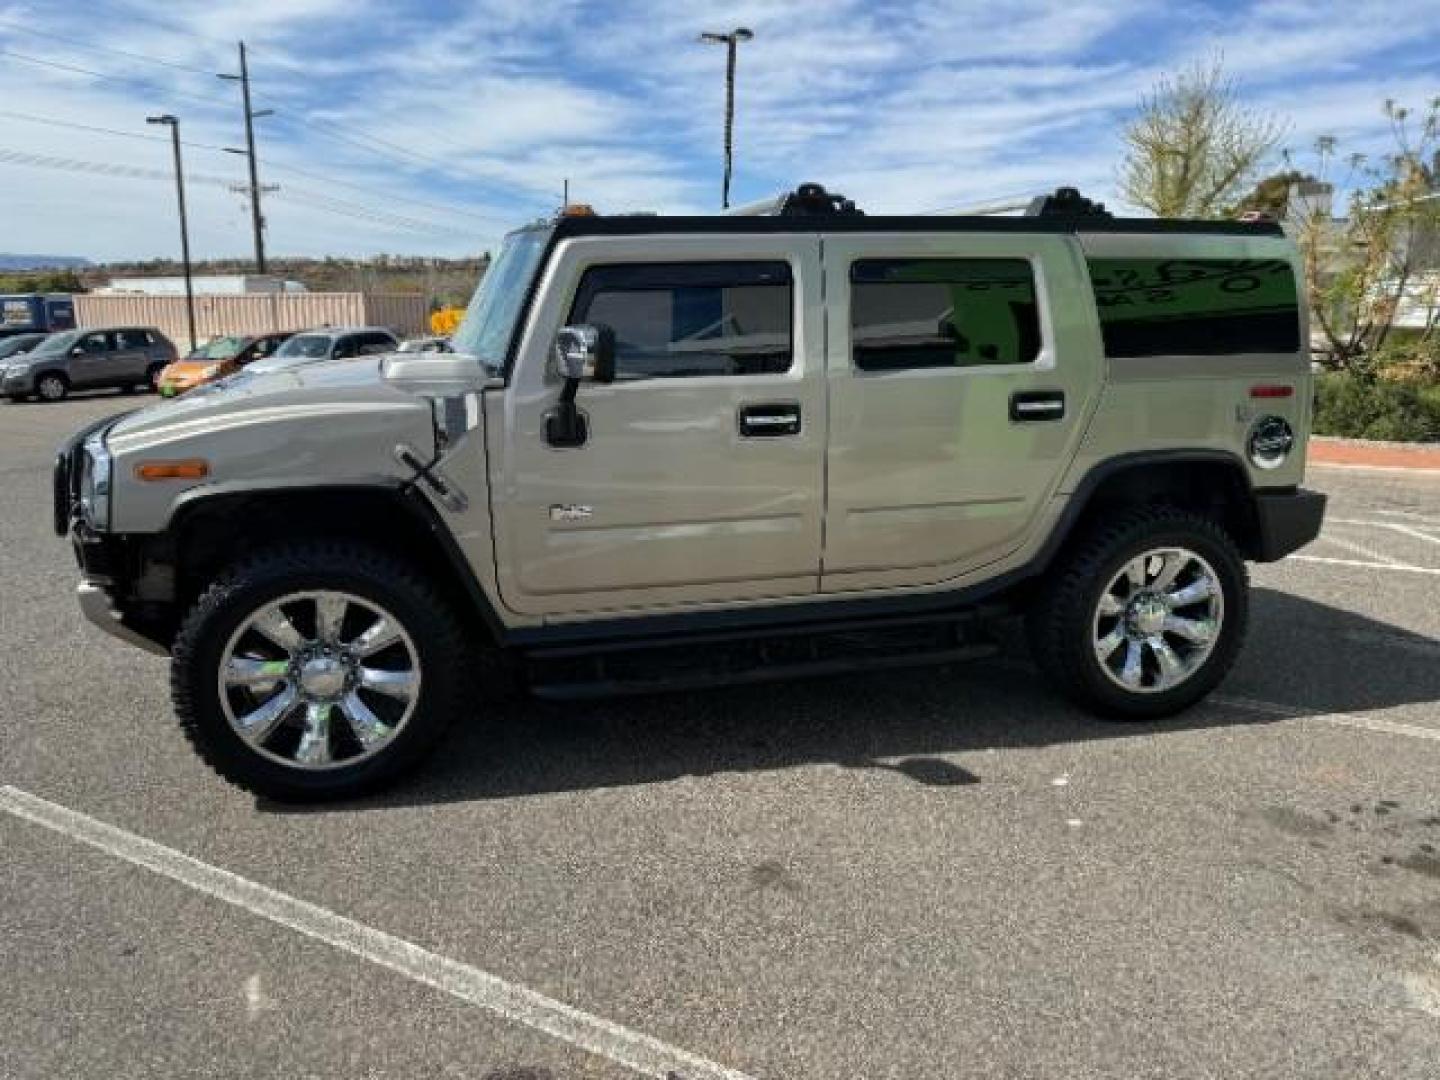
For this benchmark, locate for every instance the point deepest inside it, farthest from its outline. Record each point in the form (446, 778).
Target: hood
(321, 390)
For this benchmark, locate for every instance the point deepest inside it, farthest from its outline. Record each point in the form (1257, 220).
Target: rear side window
(1196, 307)
(679, 320)
(133, 339)
(942, 313)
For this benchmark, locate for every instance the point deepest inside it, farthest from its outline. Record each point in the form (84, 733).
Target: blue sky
(425, 127)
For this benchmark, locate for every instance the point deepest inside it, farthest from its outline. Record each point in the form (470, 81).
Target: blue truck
(30, 313)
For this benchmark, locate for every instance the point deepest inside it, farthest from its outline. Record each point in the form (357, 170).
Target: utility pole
(257, 219)
(174, 125)
(730, 41)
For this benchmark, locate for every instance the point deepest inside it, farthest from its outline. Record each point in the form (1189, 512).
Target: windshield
(12, 345)
(312, 346)
(56, 343)
(490, 319)
(222, 348)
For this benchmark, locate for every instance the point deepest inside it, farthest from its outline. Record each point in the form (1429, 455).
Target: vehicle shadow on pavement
(1322, 659)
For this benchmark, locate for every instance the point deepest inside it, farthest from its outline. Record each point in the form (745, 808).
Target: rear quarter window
(1196, 307)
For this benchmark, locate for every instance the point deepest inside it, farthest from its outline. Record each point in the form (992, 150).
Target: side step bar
(692, 662)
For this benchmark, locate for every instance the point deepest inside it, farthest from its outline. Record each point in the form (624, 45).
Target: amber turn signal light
(188, 469)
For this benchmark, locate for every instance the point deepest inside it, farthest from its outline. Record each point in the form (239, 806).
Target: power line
(369, 143)
(137, 80)
(12, 28)
(317, 200)
(269, 164)
(51, 122)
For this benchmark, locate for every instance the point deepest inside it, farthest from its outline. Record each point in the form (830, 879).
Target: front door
(701, 479)
(91, 359)
(961, 369)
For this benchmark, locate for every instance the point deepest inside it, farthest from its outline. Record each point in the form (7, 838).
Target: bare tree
(1193, 149)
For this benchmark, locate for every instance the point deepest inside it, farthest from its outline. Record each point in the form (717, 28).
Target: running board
(728, 659)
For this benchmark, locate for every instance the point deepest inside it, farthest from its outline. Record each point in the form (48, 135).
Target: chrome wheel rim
(319, 680)
(1158, 620)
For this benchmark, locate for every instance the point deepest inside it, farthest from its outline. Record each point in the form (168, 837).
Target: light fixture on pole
(730, 41)
(173, 124)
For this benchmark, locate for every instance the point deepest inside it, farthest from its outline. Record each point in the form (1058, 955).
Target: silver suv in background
(330, 343)
(128, 357)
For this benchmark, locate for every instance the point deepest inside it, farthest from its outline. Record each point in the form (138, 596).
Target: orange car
(215, 359)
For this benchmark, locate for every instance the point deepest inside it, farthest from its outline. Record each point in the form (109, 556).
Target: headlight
(95, 483)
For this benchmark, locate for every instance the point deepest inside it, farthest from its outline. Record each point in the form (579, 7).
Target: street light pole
(730, 41)
(173, 124)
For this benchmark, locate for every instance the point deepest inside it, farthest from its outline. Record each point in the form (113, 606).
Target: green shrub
(1361, 408)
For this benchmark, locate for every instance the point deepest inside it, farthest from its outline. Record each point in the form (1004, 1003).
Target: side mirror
(585, 352)
(581, 352)
(78, 350)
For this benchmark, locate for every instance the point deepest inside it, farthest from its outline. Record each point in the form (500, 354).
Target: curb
(1365, 453)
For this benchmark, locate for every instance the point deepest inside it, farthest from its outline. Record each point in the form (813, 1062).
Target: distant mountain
(43, 262)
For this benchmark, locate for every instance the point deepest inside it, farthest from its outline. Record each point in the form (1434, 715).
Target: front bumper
(1288, 520)
(95, 605)
(22, 382)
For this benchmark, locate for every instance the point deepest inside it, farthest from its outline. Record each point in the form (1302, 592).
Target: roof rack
(1066, 202)
(807, 200)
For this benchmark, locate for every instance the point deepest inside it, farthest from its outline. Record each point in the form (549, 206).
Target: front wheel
(51, 387)
(317, 672)
(1144, 616)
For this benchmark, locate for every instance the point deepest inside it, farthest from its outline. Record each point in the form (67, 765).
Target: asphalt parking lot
(941, 874)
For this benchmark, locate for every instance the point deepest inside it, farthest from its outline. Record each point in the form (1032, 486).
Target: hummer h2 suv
(671, 452)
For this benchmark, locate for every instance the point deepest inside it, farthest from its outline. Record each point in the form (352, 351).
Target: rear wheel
(317, 672)
(152, 377)
(51, 387)
(1144, 616)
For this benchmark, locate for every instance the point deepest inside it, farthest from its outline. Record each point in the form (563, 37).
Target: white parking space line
(632, 1049)
(1358, 549)
(1290, 712)
(1393, 526)
(1371, 565)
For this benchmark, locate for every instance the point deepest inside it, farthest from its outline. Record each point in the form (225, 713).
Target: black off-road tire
(1060, 620)
(352, 568)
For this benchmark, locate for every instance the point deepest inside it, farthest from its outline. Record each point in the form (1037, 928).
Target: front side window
(1196, 307)
(95, 344)
(942, 313)
(681, 320)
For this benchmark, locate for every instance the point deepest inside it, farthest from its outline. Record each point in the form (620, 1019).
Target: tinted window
(95, 343)
(375, 343)
(674, 320)
(928, 313)
(133, 339)
(1196, 307)
(311, 346)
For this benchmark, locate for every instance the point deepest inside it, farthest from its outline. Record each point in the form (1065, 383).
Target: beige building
(406, 314)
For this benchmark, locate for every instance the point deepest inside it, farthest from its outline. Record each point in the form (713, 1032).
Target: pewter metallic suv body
(803, 423)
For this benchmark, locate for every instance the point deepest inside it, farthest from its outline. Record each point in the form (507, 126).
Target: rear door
(701, 479)
(131, 356)
(961, 369)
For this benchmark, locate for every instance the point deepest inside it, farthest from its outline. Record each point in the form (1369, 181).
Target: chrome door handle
(771, 420)
(1029, 406)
